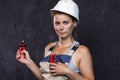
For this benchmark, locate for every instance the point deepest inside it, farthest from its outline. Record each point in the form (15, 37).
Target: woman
(72, 59)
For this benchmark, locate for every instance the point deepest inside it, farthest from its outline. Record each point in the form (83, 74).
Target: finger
(53, 64)
(25, 53)
(18, 57)
(17, 54)
(59, 63)
(52, 67)
(54, 74)
(52, 71)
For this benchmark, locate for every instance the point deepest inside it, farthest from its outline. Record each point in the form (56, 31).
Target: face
(63, 25)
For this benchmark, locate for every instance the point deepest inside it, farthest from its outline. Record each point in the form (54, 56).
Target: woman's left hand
(58, 68)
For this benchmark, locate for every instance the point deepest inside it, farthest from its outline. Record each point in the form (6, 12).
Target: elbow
(90, 79)
(42, 78)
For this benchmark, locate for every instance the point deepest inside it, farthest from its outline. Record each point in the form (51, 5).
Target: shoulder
(83, 52)
(48, 46)
(83, 48)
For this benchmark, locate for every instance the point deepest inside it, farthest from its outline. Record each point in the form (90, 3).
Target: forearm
(35, 69)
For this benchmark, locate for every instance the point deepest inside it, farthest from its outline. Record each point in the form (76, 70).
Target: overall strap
(51, 48)
(75, 47)
(60, 57)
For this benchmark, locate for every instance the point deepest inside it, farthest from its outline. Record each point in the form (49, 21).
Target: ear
(75, 24)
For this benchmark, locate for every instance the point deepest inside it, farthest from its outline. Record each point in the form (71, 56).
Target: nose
(61, 26)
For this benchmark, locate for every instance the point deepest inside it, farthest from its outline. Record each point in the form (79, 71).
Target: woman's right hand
(23, 56)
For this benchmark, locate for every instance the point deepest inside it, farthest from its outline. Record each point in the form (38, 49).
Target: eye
(65, 22)
(57, 23)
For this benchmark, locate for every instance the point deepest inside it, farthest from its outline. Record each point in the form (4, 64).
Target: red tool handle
(21, 48)
(52, 58)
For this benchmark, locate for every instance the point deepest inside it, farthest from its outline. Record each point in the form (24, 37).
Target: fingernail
(19, 57)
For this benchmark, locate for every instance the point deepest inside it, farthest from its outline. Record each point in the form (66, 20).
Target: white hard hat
(67, 6)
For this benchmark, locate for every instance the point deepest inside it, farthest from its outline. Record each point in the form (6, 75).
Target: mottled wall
(99, 29)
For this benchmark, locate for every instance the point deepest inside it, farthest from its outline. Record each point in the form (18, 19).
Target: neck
(65, 42)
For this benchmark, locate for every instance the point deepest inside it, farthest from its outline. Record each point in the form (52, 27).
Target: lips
(61, 33)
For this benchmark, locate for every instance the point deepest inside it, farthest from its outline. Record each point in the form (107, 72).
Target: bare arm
(29, 63)
(35, 69)
(85, 65)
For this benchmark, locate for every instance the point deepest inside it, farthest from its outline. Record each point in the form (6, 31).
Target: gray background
(29, 20)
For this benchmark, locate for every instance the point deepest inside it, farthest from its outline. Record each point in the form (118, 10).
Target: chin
(63, 36)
